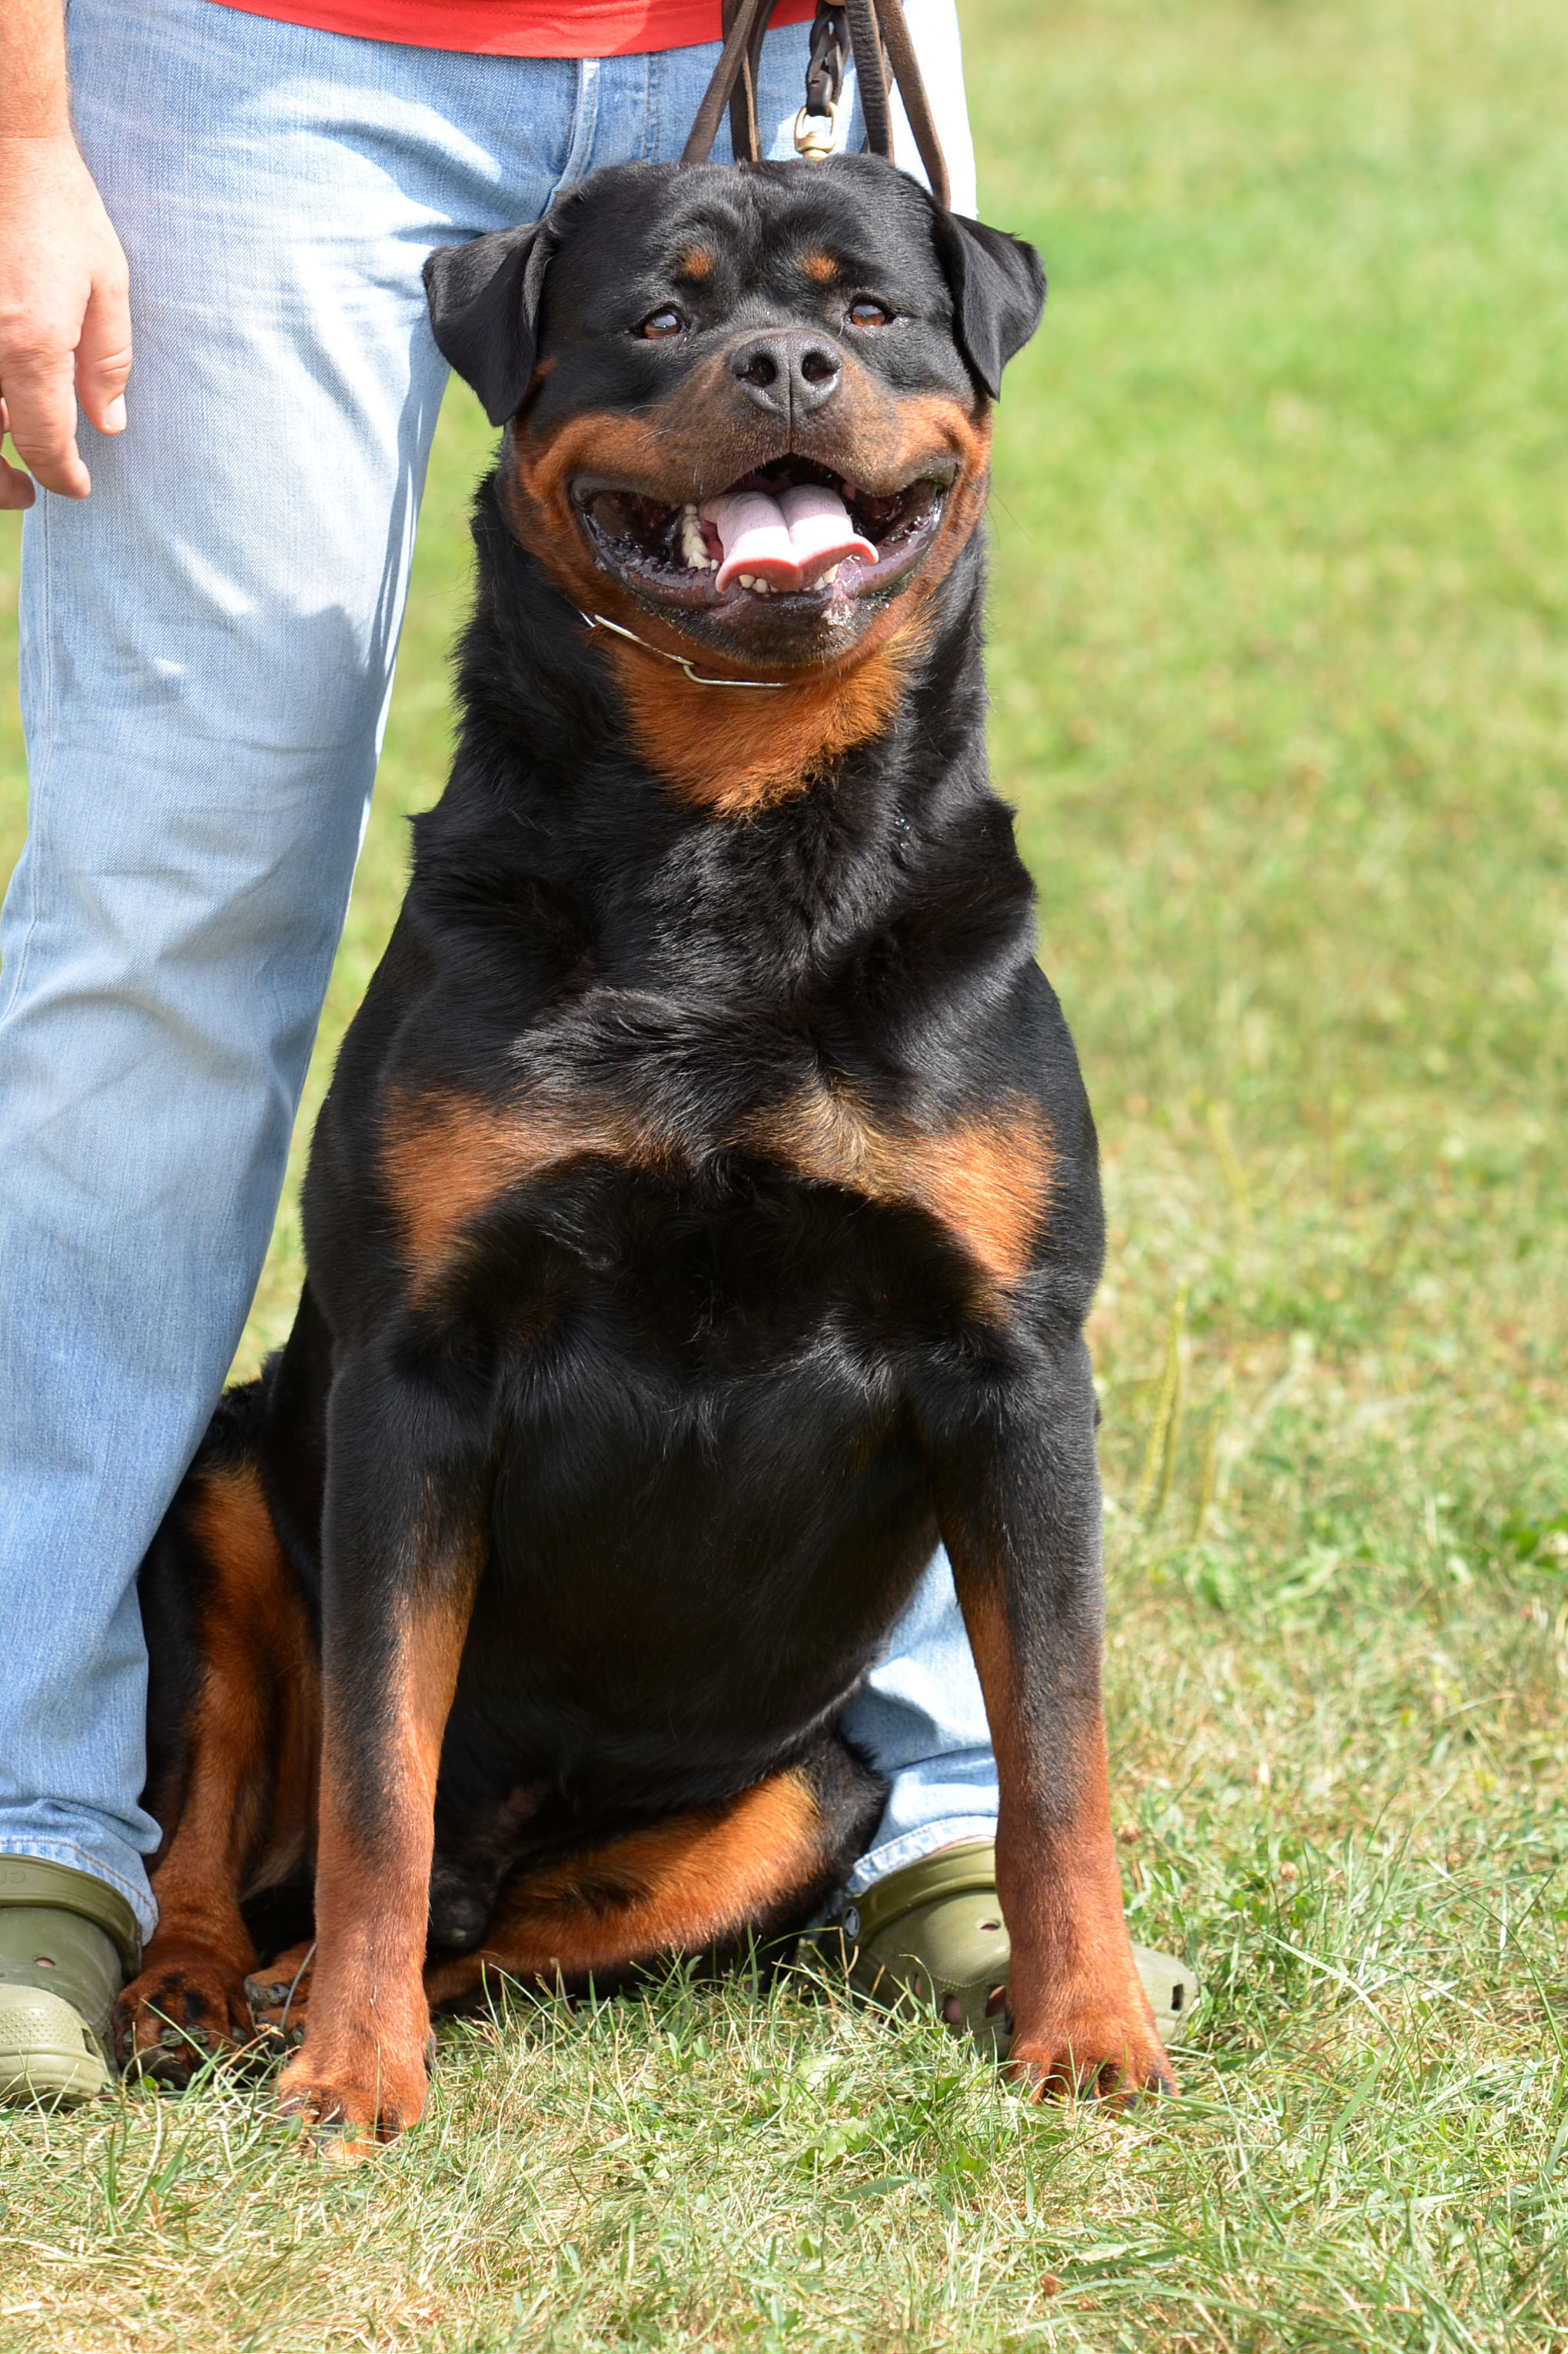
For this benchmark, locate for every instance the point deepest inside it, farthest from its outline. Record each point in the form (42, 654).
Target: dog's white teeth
(828, 578)
(694, 547)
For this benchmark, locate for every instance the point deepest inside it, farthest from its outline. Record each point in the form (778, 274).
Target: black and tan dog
(704, 1212)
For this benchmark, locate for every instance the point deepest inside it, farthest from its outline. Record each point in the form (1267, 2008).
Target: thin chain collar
(602, 622)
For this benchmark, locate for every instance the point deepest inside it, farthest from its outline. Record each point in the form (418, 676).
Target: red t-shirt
(519, 29)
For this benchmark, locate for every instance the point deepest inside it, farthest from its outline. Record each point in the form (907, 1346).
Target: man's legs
(208, 648)
(207, 652)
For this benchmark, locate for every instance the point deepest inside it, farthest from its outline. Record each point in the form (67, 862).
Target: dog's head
(747, 405)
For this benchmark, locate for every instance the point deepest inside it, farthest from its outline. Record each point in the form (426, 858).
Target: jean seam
(29, 923)
(44, 731)
(584, 128)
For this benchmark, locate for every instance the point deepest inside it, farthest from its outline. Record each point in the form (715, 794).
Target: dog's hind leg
(702, 1883)
(279, 1993)
(232, 1740)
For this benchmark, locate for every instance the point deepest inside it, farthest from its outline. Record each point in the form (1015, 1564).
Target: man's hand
(65, 321)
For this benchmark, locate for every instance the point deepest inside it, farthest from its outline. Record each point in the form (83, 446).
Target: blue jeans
(207, 646)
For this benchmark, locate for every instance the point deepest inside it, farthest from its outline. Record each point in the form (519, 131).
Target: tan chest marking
(986, 1177)
(447, 1158)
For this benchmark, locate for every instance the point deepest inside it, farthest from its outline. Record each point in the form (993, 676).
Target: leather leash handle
(912, 91)
(870, 22)
(865, 39)
(745, 132)
(741, 20)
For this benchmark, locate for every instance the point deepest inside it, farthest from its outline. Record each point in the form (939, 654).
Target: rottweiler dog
(702, 1220)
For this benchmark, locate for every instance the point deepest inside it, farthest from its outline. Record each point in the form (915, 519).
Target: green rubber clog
(67, 1943)
(931, 1938)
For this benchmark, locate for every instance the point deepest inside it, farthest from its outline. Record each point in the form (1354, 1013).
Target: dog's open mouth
(791, 529)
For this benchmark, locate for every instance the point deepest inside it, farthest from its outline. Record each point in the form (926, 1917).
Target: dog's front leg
(403, 1541)
(1018, 1499)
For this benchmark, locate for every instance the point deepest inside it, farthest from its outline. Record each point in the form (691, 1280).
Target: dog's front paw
(1096, 2042)
(351, 2092)
(186, 2009)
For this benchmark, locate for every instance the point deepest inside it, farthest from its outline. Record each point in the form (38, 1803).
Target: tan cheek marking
(883, 438)
(669, 451)
(696, 443)
(673, 1889)
(934, 421)
(987, 1179)
(671, 454)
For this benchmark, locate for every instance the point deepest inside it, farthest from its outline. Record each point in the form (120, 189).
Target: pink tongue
(790, 541)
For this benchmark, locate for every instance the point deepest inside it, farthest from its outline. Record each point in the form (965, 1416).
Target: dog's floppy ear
(484, 306)
(999, 292)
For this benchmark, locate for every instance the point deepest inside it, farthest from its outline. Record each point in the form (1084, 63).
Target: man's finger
(103, 355)
(15, 488)
(40, 396)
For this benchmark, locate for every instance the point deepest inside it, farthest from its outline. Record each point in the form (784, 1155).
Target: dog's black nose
(788, 372)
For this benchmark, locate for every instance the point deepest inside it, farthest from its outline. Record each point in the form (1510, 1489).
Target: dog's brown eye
(868, 314)
(660, 324)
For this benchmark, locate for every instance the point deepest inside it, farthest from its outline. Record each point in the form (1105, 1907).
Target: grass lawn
(1281, 696)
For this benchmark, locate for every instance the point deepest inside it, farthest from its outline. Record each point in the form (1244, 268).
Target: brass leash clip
(817, 123)
(815, 134)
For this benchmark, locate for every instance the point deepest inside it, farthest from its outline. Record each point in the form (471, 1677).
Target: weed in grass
(1280, 678)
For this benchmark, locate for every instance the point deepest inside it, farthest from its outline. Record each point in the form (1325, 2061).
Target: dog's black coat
(703, 1408)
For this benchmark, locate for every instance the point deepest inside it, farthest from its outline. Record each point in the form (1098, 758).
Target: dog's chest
(692, 1131)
